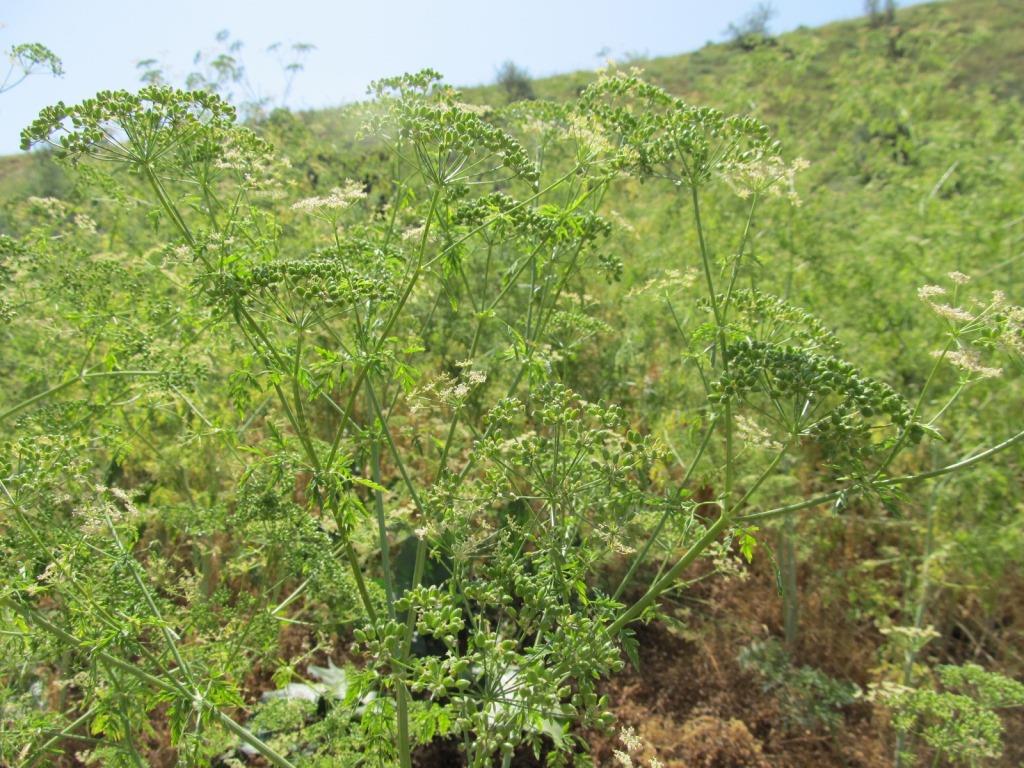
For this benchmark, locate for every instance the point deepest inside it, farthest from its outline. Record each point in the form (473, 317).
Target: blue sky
(101, 41)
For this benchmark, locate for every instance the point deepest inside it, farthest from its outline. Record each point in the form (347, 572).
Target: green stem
(739, 259)
(392, 319)
(665, 582)
(705, 258)
(165, 630)
(919, 610)
(167, 205)
(417, 577)
(902, 439)
(664, 517)
(402, 713)
(16, 409)
(65, 732)
(382, 529)
(357, 574)
(788, 568)
(891, 481)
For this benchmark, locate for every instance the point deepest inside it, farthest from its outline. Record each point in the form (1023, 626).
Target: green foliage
(808, 697)
(655, 133)
(959, 719)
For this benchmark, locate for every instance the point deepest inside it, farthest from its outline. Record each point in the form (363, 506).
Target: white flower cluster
(622, 223)
(766, 175)
(85, 223)
(930, 294)
(473, 109)
(589, 135)
(1012, 333)
(450, 391)
(49, 206)
(670, 278)
(633, 744)
(996, 318)
(886, 691)
(753, 434)
(914, 638)
(959, 278)
(969, 360)
(414, 233)
(337, 199)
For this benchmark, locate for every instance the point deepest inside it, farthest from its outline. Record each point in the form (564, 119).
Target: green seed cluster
(506, 217)
(382, 643)
(151, 121)
(326, 276)
(785, 372)
(657, 132)
(29, 56)
(436, 611)
(531, 115)
(766, 316)
(961, 719)
(324, 280)
(407, 84)
(10, 249)
(453, 134)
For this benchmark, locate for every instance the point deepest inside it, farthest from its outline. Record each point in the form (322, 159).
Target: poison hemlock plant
(392, 424)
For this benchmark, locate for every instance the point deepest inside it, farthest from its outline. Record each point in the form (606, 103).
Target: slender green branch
(817, 501)
(382, 339)
(902, 439)
(636, 610)
(738, 260)
(80, 379)
(382, 528)
(169, 685)
(705, 259)
(65, 732)
(642, 555)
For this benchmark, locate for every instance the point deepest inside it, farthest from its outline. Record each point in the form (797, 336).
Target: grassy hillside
(909, 128)
(597, 422)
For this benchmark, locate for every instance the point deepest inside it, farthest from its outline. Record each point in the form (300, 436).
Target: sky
(102, 41)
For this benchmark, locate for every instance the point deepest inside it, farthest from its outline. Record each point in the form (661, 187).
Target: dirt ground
(693, 705)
